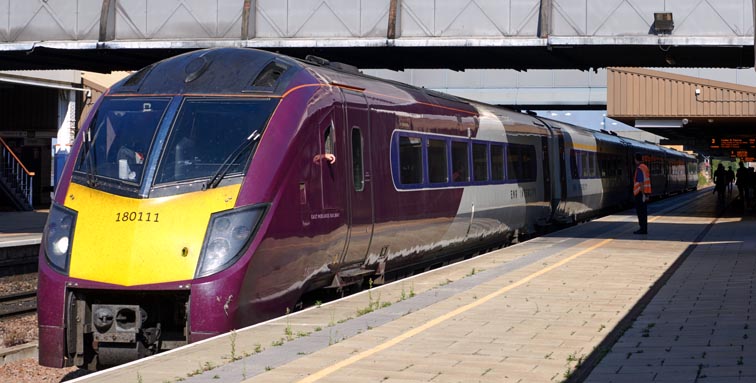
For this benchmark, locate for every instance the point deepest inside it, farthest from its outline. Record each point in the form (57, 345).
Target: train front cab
(148, 231)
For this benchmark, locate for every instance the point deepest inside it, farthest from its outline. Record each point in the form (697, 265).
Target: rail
(18, 303)
(15, 174)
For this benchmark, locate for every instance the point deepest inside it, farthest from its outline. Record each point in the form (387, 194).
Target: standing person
(730, 179)
(741, 182)
(720, 179)
(641, 192)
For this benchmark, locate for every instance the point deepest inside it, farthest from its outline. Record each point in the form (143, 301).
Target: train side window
(410, 160)
(357, 164)
(529, 169)
(460, 162)
(328, 140)
(585, 170)
(438, 164)
(497, 162)
(514, 168)
(480, 162)
(574, 164)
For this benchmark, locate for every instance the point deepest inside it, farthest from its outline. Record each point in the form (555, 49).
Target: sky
(591, 119)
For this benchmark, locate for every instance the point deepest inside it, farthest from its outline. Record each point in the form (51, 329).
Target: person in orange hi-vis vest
(641, 193)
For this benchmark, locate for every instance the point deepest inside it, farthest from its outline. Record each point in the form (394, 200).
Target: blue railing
(15, 174)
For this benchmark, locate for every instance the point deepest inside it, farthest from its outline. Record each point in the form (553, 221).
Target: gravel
(28, 371)
(23, 329)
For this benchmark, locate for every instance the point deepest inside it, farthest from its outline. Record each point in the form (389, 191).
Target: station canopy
(713, 118)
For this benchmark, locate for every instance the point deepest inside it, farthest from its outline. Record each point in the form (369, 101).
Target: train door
(562, 168)
(360, 187)
(546, 168)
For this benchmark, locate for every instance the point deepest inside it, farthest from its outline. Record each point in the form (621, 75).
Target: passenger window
(586, 165)
(497, 162)
(528, 164)
(460, 162)
(357, 164)
(437, 162)
(574, 164)
(513, 163)
(410, 160)
(480, 162)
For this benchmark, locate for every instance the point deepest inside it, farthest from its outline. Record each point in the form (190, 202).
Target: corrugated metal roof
(644, 93)
(102, 81)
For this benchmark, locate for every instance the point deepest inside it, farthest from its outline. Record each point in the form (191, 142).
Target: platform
(545, 310)
(22, 228)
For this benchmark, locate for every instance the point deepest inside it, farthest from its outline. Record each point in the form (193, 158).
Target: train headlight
(57, 237)
(228, 235)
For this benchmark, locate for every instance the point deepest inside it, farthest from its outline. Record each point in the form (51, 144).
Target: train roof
(213, 71)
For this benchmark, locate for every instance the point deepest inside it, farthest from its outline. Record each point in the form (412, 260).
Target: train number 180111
(137, 216)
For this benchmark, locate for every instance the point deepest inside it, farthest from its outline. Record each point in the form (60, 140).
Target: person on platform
(730, 180)
(741, 182)
(720, 183)
(641, 193)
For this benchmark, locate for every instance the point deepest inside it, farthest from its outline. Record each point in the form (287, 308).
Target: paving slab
(531, 312)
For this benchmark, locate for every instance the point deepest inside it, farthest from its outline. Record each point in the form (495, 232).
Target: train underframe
(106, 328)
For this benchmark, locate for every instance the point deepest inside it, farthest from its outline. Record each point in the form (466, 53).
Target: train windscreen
(119, 139)
(211, 134)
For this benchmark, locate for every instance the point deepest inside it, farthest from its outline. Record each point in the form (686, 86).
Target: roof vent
(317, 60)
(137, 77)
(196, 68)
(332, 64)
(268, 77)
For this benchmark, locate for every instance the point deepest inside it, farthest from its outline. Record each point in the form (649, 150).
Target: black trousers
(642, 211)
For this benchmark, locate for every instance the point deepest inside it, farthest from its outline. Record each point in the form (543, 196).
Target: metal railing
(15, 173)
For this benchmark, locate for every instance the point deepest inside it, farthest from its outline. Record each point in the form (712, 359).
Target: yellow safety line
(417, 330)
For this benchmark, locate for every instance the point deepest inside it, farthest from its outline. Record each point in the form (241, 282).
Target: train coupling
(119, 333)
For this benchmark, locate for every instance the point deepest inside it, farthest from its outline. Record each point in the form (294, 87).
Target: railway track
(18, 303)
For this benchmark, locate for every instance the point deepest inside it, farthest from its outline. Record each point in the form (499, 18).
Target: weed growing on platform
(258, 348)
(333, 319)
(233, 346)
(471, 273)
(603, 326)
(412, 290)
(372, 306)
(289, 333)
(139, 377)
(277, 343)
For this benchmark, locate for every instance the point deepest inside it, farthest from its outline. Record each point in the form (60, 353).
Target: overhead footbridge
(104, 35)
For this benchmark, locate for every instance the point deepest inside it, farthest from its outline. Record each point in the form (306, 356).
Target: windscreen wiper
(227, 163)
(91, 161)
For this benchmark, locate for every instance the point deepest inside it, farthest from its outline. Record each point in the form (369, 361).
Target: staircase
(15, 179)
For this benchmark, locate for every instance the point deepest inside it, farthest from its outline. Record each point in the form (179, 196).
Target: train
(214, 189)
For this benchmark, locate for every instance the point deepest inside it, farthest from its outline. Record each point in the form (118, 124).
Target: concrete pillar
(66, 130)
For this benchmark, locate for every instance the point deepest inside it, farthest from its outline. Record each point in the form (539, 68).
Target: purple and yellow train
(210, 191)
